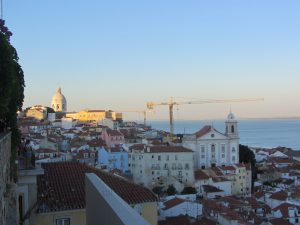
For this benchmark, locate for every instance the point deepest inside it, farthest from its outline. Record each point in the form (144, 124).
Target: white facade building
(178, 206)
(59, 102)
(161, 166)
(213, 148)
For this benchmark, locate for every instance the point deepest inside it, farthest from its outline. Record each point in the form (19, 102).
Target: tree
(247, 156)
(171, 190)
(188, 190)
(157, 190)
(11, 88)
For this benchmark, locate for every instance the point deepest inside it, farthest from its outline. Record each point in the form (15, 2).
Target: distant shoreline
(217, 119)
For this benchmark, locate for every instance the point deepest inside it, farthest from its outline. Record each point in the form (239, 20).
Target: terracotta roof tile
(205, 130)
(111, 132)
(156, 149)
(173, 202)
(204, 221)
(176, 220)
(201, 175)
(280, 195)
(279, 221)
(284, 209)
(62, 187)
(211, 189)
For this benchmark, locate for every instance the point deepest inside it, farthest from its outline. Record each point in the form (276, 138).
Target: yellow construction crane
(143, 112)
(171, 103)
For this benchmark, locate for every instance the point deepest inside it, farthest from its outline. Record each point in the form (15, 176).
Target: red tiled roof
(111, 132)
(219, 179)
(280, 195)
(205, 130)
(211, 189)
(175, 220)
(240, 165)
(173, 202)
(217, 171)
(227, 168)
(279, 221)
(281, 160)
(115, 149)
(62, 187)
(157, 149)
(137, 147)
(284, 209)
(96, 143)
(259, 194)
(204, 221)
(201, 175)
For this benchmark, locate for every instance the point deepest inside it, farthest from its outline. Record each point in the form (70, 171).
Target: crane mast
(171, 103)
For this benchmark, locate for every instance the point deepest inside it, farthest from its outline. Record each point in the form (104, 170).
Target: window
(187, 167)
(63, 221)
(167, 157)
(202, 148)
(176, 157)
(173, 166)
(232, 129)
(152, 156)
(212, 135)
(159, 158)
(223, 155)
(202, 156)
(233, 149)
(223, 148)
(233, 158)
(213, 148)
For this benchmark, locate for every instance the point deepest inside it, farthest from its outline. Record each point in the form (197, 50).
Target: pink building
(112, 137)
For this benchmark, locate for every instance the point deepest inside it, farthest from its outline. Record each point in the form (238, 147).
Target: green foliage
(247, 156)
(157, 190)
(11, 88)
(188, 190)
(171, 190)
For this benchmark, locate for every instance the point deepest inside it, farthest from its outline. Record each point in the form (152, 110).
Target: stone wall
(8, 189)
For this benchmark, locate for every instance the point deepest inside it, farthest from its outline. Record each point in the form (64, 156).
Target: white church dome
(231, 116)
(59, 102)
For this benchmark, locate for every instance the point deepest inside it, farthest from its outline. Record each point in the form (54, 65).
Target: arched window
(232, 129)
(213, 148)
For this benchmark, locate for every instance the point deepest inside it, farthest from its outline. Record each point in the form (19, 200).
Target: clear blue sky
(121, 54)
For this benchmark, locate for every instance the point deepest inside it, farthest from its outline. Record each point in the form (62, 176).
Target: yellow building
(94, 115)
(87, 115)
(38, 112)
